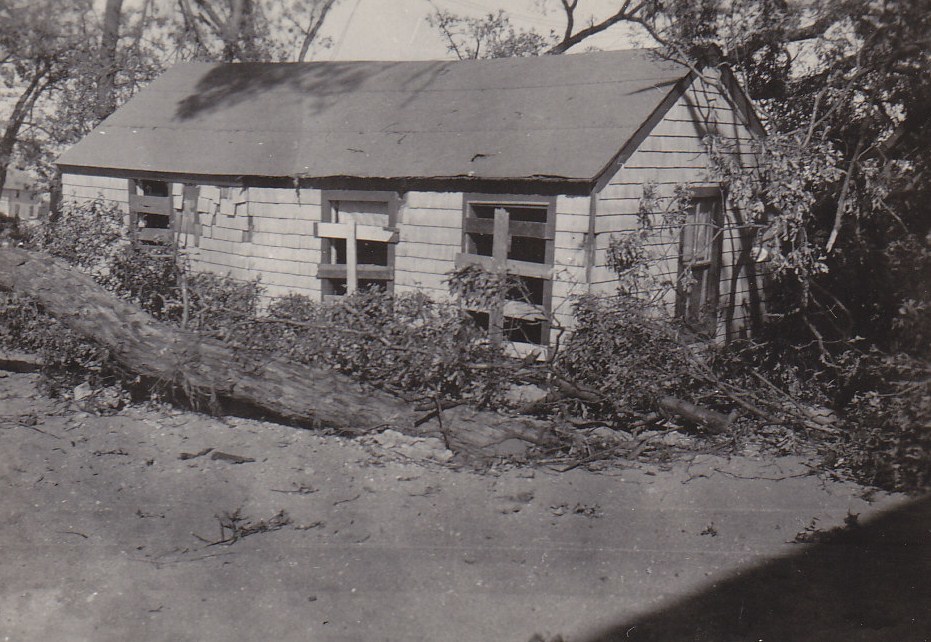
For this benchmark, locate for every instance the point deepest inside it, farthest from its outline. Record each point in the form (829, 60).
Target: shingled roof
(552, 117)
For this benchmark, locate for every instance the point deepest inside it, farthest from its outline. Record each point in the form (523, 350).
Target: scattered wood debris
(238, 528)
(200, 453)
(233, 459)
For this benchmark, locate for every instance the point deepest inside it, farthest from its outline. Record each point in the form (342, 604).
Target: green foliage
(631, 357)
(406, 344)
(889, 414)
(88, 236)
(491, 36)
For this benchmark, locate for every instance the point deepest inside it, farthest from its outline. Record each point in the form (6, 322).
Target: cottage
(328, 177)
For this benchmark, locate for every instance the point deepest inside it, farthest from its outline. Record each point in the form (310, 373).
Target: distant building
(20, 199)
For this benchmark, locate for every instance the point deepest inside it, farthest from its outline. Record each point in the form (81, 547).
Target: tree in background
(71, 66)
(491, 36)
(41, 41)
(494, 36)
(250, 30)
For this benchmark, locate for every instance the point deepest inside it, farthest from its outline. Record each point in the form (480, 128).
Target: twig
(201, 453)
(39, 430)
(635, 452)
(301, 490)
(762, 478)
(346, 501)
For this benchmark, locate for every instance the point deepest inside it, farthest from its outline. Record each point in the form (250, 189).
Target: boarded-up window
(151, 211)
(700, 264)
(513, 236)
(358, 240)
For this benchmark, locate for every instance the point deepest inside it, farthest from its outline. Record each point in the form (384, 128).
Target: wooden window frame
(157, 205)
(704, 319)
(503, 231)
(328, 230)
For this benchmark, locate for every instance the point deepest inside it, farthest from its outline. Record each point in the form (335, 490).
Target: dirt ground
(111, 530)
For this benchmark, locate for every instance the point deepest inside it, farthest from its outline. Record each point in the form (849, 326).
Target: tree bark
(711, 421)
(106, 98)
(203, 368)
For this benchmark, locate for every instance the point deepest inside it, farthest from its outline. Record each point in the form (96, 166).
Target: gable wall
(674, 154)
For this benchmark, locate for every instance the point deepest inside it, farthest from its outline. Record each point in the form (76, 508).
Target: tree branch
(842, 199)
(314, 28)
(624, 14)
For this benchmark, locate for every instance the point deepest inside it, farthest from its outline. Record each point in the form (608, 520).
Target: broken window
(358, 240)
(513, 236)
(700, 248)
(151, 212)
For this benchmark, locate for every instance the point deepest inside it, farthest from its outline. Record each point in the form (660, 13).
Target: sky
(398, 30)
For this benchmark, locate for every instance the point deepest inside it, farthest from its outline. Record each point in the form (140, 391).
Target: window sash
(700, 254)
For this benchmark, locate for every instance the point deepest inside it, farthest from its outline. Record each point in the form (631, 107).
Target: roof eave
(544, 185)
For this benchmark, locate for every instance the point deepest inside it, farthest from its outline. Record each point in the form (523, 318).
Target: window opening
(514, 238)
(151, 211)
(358, 241)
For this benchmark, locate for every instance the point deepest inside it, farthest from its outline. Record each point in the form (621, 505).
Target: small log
(19, 362)
(713, 422)
(203, 367)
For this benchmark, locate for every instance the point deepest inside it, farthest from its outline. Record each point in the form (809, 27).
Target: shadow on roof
(318, 84)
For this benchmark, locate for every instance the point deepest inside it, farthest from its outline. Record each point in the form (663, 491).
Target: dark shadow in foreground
(865, 582)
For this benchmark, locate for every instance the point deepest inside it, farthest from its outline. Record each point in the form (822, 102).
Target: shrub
(630, 357)
(888, 443)
(10, 232)
(405, 343)
(66, 357)
(148, 276)
(87, 236)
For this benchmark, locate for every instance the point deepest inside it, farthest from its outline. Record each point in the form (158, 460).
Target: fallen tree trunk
(202, 368)
(711, 421)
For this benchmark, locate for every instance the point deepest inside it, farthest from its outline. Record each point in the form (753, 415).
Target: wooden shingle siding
(673, 154)
(570, 256)
(271, 235)
(78, 188)
(429, 237)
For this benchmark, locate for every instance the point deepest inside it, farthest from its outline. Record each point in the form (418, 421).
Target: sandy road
(106, 534)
